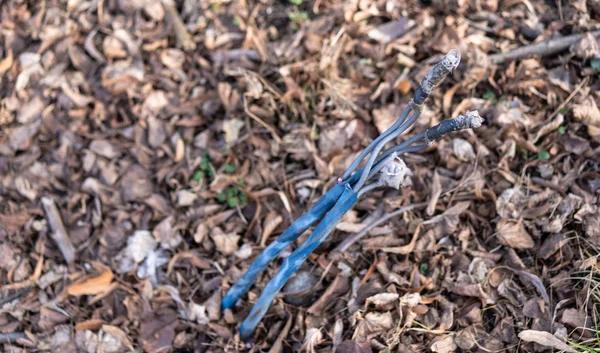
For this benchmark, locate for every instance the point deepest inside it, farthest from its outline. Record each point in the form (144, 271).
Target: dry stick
(563, 104)
(12, 337)
(343, 246)
(9, 298)
(184, 39)
(547, 47)
(59, 233)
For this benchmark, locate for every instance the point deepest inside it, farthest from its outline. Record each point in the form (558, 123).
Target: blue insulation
(296, 259)
(290, 235)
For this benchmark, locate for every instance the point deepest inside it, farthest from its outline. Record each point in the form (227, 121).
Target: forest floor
(149, 151)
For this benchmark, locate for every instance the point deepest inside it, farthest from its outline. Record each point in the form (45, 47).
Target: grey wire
(368, 188)
(372, 145)
(380, 145)
(401, 146)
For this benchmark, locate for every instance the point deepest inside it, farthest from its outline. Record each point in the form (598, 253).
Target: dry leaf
(226, 244)
(444, 345)
(512, 233)
(383, 300)
(92, 286)
(546, 339)
(463, 150)
(119, 335)
(313, 338)
(271, 222)
(232, 128)
(92, 324)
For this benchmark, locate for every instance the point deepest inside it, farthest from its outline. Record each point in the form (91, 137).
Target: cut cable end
(451, 60)
(437, 74)
(471, 120)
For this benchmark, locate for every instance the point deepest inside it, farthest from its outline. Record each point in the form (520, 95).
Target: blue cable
(325, 203)
(291, 264)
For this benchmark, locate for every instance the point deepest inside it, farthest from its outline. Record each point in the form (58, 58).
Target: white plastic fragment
(395, 173)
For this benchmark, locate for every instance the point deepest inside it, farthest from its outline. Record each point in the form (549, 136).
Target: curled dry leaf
(383, 301)
(313, 338)
(545, 339)
(271, 222)
(92, 286)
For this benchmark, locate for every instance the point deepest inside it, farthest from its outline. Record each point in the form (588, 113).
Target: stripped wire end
(436, 75)
(395, 173)
(471, 120)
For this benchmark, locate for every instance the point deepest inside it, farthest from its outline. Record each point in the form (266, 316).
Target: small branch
(9, 298)
(59, 233)
(12, 337)
(184, 39)
(343, 246)
(547, 47)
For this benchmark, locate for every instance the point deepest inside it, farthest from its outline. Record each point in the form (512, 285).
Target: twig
(262, 122)
(544, 48)
(12, 337)
(9, 298)
(343, 246)
(59, 233)
(184, 39)
(575, 91)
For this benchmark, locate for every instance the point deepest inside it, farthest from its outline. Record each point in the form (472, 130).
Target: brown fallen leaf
(118, 334)
(444, 345)
(91, 286)
(93, 324)
(271, 222)
(406, 249)
(512, 233)
(545, 339)
(436, 191)
(226, 243)
(157, 331)
(449, 219)
(338, 287)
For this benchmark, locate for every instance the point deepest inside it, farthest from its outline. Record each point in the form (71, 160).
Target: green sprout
(489, 95)
(543, 156)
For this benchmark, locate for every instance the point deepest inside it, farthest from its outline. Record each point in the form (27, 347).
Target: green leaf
(236, 22)
(221, 197)
(243, 199)
(562, 130)
(423, 268)
(543, 156)
(199, 175)
(296, 2)
(229, 168)
(241, 182)
(489, 95)
(595, 64)
(232, 202)
(564, 110)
